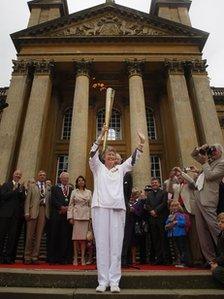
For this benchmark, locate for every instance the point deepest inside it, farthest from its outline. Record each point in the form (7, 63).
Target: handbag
(89, 235)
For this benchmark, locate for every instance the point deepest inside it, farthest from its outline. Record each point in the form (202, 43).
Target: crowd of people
(180, 222)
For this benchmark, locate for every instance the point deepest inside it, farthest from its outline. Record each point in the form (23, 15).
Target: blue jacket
(179, 229)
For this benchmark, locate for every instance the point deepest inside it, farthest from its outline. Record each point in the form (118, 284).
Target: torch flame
(101, 86)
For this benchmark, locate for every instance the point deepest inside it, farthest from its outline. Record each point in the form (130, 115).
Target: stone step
(35, 293)
(160, 279)
(49, 293)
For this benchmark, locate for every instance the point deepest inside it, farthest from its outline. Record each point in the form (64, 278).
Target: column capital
(83, 67)
(22, 67)
(174, 66)
(44, 67)
(135, 67)
(197, 66)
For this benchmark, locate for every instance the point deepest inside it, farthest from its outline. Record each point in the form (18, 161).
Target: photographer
(207, 196)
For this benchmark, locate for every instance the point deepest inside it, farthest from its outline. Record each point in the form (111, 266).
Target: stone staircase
(21, 247)
(49, 284)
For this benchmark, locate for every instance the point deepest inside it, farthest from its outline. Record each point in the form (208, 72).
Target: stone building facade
(153, 61)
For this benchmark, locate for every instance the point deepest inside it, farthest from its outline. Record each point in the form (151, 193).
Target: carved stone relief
(109, 25)
(135, 67)
(21, 67)
(174, 66)
(197, 66)
(44, 67)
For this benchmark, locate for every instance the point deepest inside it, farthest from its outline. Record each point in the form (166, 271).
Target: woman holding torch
(108, 210)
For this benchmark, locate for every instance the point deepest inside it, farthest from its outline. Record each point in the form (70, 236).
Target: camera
(209, 150)
(148, 188)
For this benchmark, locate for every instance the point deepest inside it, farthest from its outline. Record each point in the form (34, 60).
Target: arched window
(151, 124)
(156, 171)
(67, 124)
(114, 127)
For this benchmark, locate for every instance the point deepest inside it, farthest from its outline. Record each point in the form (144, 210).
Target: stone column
(142, 170)
(181, 112)
(207, 119)
(79, 131)
(32, 143)
(12, 117)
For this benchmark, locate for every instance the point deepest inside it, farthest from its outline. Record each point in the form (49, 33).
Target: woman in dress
(79, 216)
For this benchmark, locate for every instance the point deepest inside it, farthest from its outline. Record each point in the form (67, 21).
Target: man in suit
(11, 210)
(207, 196)
(61, 229)
(36, 212)
(156, 206)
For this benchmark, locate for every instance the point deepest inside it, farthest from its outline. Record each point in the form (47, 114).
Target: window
(114, 132)
(151, 124)
(156, 167)
(67, 124)
(62, 165)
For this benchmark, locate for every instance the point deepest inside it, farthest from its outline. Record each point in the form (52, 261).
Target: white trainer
(101, 289)
(115, 289)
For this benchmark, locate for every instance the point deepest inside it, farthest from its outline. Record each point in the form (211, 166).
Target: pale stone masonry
(79, 131)
(154, 63)
(184, 128)
(138, 121)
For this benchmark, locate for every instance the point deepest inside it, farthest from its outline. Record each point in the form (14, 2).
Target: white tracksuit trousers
(108, 226)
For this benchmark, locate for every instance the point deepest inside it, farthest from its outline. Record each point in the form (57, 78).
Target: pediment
(108, 20)
(109, 24)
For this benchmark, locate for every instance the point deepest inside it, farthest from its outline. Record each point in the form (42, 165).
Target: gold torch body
(110, 93)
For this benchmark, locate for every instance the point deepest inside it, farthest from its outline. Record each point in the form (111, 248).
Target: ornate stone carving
(197, 66)
(135, 67)
(83, 67)
(43, 67)
(174, 66)
(22, 67)
(109, 25)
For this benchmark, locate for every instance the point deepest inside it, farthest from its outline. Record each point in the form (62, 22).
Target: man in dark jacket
(156, 206)
(11, 211)
(61, 230)
(220, 207)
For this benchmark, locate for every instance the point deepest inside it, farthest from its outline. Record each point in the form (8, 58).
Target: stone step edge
(94, 272)
(58, 291)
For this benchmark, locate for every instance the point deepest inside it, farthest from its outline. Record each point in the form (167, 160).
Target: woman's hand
(103, 132)
(71, 221)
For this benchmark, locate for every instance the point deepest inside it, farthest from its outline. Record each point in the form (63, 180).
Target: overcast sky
(206, 15)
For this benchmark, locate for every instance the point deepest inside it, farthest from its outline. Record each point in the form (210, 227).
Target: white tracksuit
(108, 215)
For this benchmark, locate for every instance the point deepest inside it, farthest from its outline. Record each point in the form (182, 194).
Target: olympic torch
(109, 105)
